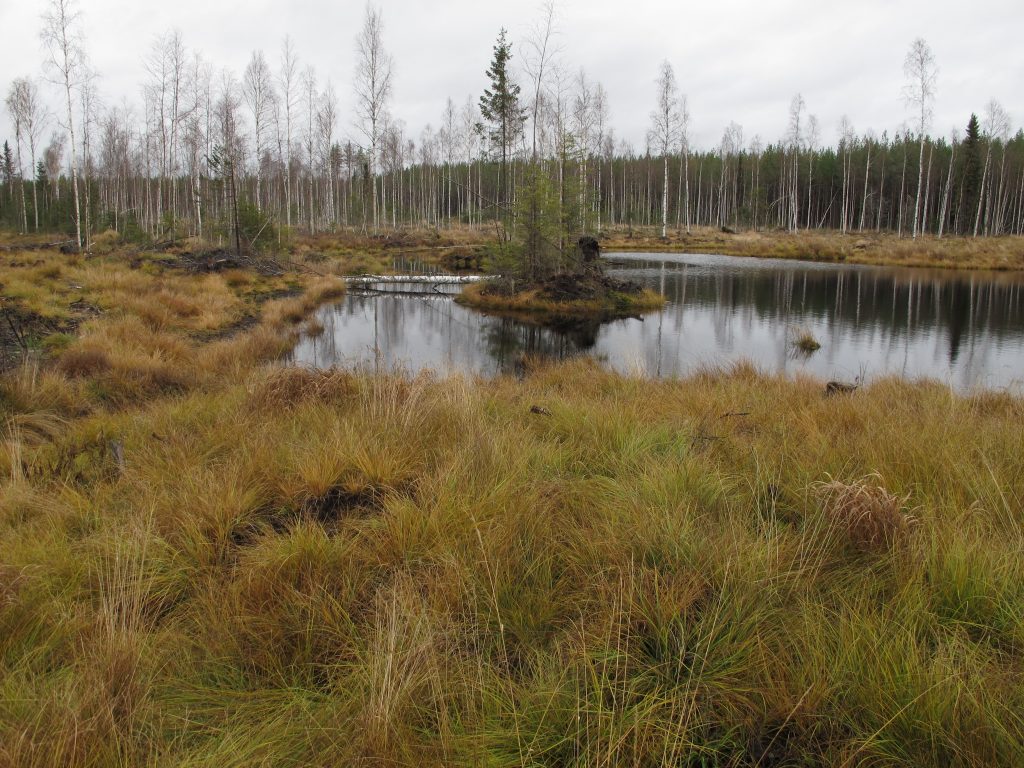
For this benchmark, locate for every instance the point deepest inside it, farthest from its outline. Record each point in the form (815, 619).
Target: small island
(580, 291)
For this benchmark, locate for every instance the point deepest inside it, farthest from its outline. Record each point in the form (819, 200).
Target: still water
(965, 329)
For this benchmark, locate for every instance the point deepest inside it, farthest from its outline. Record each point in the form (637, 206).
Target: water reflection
(963, 328)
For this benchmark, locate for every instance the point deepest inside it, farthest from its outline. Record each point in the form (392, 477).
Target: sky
(736, 60)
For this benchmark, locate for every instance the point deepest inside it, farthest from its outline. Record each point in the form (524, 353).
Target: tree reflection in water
(964, 328)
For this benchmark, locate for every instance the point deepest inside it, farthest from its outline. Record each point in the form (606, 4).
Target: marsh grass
(804, 341)
(865, 513)
(294, 567)
(999, 253)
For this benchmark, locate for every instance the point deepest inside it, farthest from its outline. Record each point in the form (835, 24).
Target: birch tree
(229, 148)
(540, 50)
(326, 119)
(812, 146)
(196, 133)
(869, 141)
(16, 105)
(846, 138)
(684, 148)
(165, 66)
(601, 117)
(666, 128)
(469, 116)
(257, 90)
(35, 118)
(177, 61)
(288, 82)
(919, 92)
(310, 93)
(795, 141)
(449, 139)
(63, 45)
(995, 129)
(583, 119)
(372, 89)
(90, 117)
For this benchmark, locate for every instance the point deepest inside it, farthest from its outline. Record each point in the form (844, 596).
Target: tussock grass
(331, 568)
(864, 513)
(264, 564)
(804, 340)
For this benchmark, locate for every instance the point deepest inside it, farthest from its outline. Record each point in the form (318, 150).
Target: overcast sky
(740, 60)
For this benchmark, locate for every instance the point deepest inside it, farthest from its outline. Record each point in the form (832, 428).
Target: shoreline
(1002, 254)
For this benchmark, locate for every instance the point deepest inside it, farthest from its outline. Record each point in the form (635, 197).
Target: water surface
(962, 328)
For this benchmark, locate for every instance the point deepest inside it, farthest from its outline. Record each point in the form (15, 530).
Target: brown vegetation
(999, 253)
(206, 559)
(562, 296)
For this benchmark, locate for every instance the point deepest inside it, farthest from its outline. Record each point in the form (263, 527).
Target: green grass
(263, 565)
(804, 340)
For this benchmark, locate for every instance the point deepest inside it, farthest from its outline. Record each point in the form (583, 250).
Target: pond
(962, 328)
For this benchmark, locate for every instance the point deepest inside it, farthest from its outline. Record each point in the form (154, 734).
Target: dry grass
(144, 329)
(865, 513)
(284, 387)
(266, 565)
(999, 253)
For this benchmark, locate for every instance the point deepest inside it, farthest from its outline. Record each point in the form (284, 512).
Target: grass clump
(866, 515)
(804, 341)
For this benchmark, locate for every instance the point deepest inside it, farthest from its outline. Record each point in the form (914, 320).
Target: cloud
(735, 59)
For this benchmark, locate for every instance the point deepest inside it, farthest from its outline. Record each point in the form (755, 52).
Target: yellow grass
(1000, 253)
(208, 558)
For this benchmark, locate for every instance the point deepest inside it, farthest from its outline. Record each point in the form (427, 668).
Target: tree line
(208, 153)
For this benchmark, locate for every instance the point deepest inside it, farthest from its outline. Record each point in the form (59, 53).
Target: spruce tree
(501, 110)
(7, 169)
(971, 154)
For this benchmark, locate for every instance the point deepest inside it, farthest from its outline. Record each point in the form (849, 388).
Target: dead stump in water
(589, 253)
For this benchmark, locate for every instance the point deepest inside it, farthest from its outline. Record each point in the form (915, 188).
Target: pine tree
(7, 177)
(500, 108)
(971, 154)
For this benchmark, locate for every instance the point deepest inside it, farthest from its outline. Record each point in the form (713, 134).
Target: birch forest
(205, 148)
